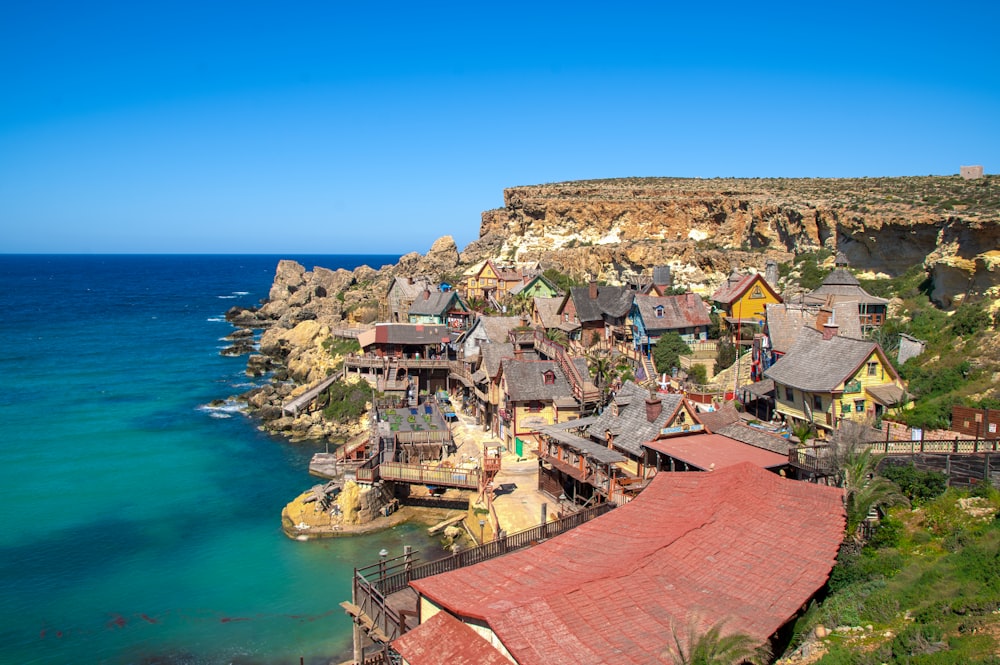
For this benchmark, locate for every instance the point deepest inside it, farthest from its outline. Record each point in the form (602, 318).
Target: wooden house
(840, 286)
(825, 378)
(634, 417)
(742, 301)
(401, 294)
(655, 316)
(596, 314)
(440, 308)
(535, 393)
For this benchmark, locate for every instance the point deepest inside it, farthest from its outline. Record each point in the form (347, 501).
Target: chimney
(518, 352)
(829, 330)
(593, 289)
(427, 294)
(409, 280)
(653, 408)
(823, 317)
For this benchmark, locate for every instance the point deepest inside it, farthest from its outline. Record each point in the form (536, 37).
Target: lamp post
(383, 553)
(482, 524)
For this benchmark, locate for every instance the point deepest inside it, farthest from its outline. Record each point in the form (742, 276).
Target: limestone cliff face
(884, 225)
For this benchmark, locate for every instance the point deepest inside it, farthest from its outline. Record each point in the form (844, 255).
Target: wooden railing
(419, 474)
(957, 445)
(369, 471)
(398, 579)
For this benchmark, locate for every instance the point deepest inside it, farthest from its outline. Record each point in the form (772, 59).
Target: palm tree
(557, 336)
(713, 648)
(864, 489)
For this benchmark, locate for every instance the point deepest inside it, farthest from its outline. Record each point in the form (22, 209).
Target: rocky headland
(613, 229)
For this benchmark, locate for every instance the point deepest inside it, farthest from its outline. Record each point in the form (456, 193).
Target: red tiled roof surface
(736, 286)
(444, 640)
(714, 451)
(739, 545)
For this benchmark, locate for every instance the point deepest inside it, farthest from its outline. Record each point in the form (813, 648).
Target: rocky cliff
(883, 225)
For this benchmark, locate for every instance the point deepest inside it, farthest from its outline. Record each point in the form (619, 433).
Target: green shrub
(919, 486)
(970, 319)
(667, 351)
(698, 374)
(346, 401)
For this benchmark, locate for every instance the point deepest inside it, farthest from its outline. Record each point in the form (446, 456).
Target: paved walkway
(517, 500)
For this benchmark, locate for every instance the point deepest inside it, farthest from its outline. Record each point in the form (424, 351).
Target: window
(757, 293)
(818, 402)
(845, 406)
(873, 368)
(549, 378)
(859, 406)
(789, 394)
(534, 407)
(659, 311)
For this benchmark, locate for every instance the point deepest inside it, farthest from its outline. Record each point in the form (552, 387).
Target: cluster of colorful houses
(681, 550)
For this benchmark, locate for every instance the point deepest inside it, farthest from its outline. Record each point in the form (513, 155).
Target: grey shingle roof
(813, 364)
(611, 301)
(492, 353)
(756, 437)
(434, 303)
(785, 322)
(683, 311)
(547, 310)
(497, 328)
(716, 420)
(630, 426)
(590, 448)
(526, 380)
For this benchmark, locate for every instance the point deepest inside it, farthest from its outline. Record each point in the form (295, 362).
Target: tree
(520, 304)
(725, 355)
(667, 352)
(713, 648)
(863, 488)
(600, 366)
(557, 336)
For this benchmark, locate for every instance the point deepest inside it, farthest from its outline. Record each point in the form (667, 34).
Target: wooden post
(947, 468)
(408, 561)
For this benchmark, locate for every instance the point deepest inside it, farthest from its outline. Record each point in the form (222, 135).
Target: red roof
(714, 451)
(739, 545)
(444, 640)
(734, 288)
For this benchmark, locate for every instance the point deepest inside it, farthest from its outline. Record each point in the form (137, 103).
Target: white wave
(226, 297)
(224, 410)
(216, 319)
(241, 293)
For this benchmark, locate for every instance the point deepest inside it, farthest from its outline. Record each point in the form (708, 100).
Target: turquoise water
(140, 526)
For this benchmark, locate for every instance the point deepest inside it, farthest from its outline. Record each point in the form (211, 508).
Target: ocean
(138, 524)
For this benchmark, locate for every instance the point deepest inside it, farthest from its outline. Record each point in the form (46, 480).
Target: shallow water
(139, 525)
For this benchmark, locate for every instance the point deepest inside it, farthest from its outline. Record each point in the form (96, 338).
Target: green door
(518, 447)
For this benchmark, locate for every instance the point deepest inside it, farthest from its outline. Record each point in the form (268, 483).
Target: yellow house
(825, 378)
(490, 280)
(743, 299)
(535, 393)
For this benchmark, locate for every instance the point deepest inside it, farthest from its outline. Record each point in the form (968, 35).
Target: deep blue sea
(139, 526)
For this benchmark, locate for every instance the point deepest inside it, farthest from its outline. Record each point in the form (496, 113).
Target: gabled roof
(734, 288)
(785, 322)
(526, 380)
(492, 353)
(817, 365)
(444, 640)
(693, 550)
(494, 328)
(683, 311)
(432, 303)
(547, 310)
(630, 427)
(528, 283)
(713, 452)
(715, 420)
(844, 286)
(410, 287)
(611, 301)
(404, 333)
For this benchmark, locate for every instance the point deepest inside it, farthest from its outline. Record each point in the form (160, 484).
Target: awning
(888, 394)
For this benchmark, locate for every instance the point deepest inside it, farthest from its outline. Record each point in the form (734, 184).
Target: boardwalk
(293, 406)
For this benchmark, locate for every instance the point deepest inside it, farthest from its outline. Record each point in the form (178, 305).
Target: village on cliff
(687, 449)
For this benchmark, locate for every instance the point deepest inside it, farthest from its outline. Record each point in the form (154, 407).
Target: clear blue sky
(334, 127)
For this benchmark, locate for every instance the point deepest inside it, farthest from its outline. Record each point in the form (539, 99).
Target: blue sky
(328, 127)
